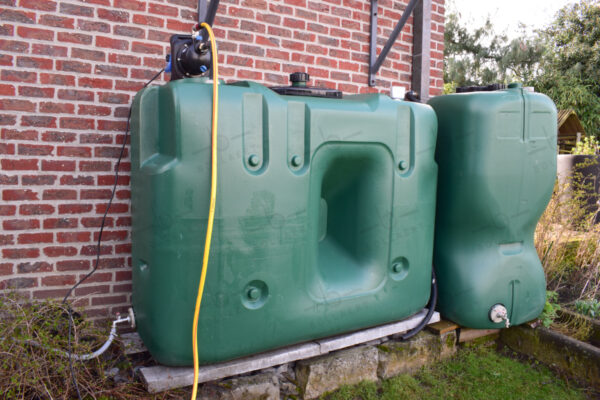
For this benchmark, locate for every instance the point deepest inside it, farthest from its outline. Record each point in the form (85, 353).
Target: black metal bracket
(375, 62)
(207, 12)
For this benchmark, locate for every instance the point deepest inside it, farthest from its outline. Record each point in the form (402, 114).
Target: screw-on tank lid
(299, 77)
(299, 88)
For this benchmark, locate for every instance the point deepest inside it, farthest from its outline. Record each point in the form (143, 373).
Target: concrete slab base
(160, 378)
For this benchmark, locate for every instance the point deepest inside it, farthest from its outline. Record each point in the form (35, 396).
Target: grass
(478, 373)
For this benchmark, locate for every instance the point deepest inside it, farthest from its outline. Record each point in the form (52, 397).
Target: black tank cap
(299, 88)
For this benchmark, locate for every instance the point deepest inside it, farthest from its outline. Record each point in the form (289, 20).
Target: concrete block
(397, 357)
(255, 387)
(345, 367)
(578, 359)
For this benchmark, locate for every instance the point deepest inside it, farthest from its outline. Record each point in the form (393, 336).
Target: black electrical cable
(99, 243)
(431, 309)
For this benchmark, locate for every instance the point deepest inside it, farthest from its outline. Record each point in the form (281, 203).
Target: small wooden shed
(570, 130)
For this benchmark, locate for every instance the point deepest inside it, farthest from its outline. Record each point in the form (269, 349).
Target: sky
(506, 14)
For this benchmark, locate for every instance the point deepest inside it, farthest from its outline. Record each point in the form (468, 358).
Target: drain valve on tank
(498, 314)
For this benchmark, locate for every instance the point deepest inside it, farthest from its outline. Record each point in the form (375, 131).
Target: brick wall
(68, 72)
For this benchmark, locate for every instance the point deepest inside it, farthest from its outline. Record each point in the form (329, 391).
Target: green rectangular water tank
(496, 153)
(324, 216)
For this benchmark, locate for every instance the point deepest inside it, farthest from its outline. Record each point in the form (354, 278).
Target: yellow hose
(213, 198)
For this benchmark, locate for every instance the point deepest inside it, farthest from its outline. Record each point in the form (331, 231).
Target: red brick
(94, 166)
(7, 119)
(91, 109)
(35, 33)
(104, 125)
(123, 194)
(70, 237)
(94, 289)
(34, 238)
(18, 76)
(56, 21)
(7, 210)
(123, 248)
(20, 224)
(20, 253)
(19, 135)
(49, 50)
(60, 223)
(74, 208)
(60, 251)
(55, 79)
(111, 235)
(111, 43)
(95, 82)
(76, 123)
(18, 194)
(38, 121)
(59, 194)
(114, 98)
(124, 221)
(110, 70)
(7, 148)
(36, 209)
(100, 301)
(110, 180)
(76, 180)
(73, 66)
(73, 9)
(73, 265)
(58, 165)
(61, 137)
(146, 48)
(91, 55)
(6, 269)
(6, 240)
(11, 180)
(32, 91)
(7, 90)
(58, 280)
(37, 266)
(113, 15)
(95, 193)
(92, 250)
(131, 5)
(162, 10)
(17, 16)
(129, 31)
(147, 20)
(35, 150)
(74, 151)
(111, 263)
(98, 277)
(95, 222)
(78, 95)
(115, 208)
(93, 26)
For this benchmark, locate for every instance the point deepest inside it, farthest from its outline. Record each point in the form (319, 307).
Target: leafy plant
(588, 307)
(588, 146)
(551, 309)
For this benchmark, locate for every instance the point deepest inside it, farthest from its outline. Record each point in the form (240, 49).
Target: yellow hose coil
(213, 198)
